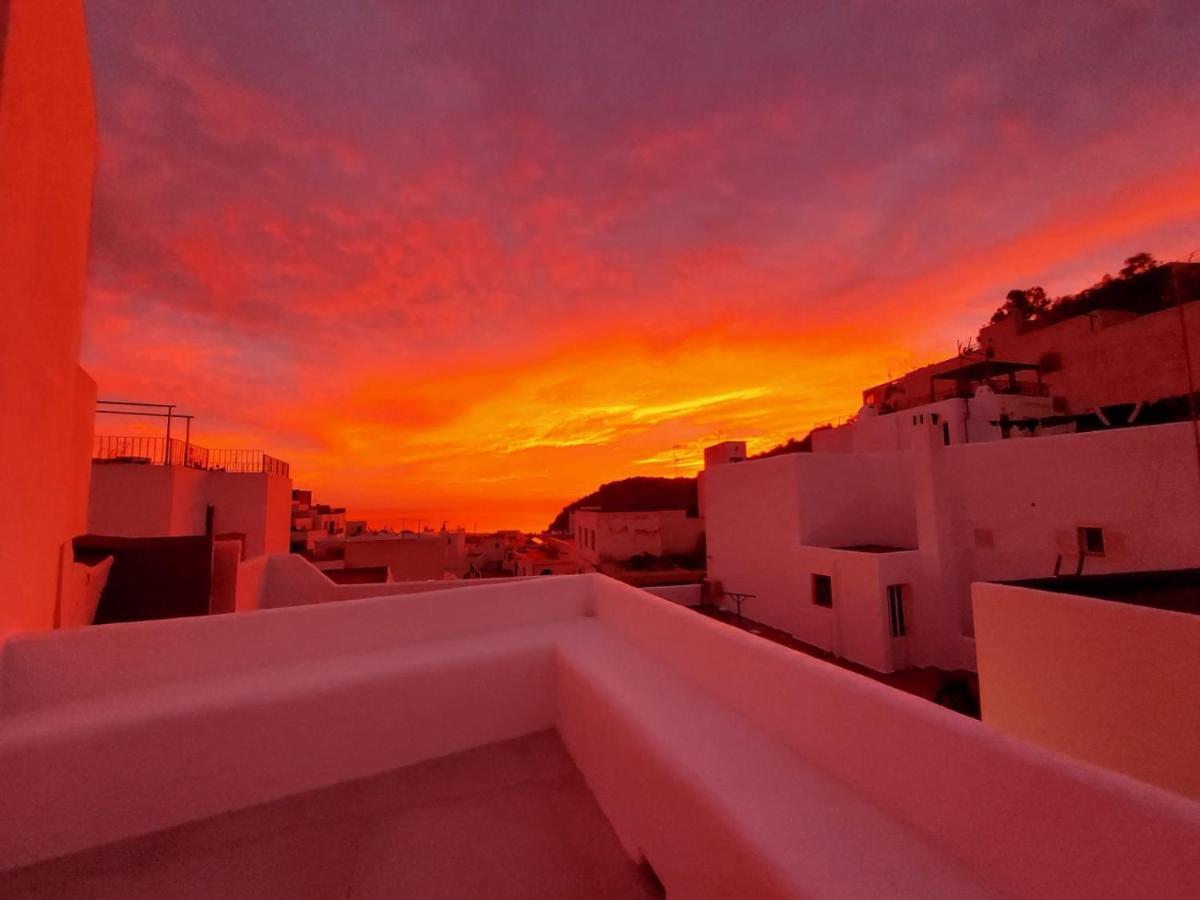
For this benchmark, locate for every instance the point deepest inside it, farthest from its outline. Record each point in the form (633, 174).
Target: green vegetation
(1143, 285)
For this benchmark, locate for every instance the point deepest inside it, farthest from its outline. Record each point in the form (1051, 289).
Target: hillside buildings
(603, 536)
(867, 546)
(313, 522)
(871, 555)
(545, 555)
(556, 736)
(490, 554)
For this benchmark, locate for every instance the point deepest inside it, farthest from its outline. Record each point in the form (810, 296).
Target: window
(895, 600)
(822, 590)
(1091, 541)
(933, 417)
(946, 433)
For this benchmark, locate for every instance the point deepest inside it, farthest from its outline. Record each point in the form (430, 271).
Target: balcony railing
(159, 451)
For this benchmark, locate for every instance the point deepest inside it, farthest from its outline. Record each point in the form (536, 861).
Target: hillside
(638, 494)
(1143, 286)
(804, 445)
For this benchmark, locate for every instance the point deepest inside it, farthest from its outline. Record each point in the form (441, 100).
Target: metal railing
(246, 461)
(159, 451)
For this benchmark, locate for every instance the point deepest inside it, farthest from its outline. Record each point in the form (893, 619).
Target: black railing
(158, 451)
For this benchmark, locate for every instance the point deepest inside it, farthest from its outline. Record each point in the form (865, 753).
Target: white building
(151, 487)
(47, 402)
(602, 536)
(871, 555)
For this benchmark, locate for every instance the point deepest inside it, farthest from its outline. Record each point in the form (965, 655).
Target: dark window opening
(895, 598)
(822, 590)
(1091, 541)
(946, 433)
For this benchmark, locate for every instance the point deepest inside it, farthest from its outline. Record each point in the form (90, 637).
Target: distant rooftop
(159, 451)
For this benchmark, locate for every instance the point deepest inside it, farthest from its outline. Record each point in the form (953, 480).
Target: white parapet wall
(735, 766)
(1111, 683)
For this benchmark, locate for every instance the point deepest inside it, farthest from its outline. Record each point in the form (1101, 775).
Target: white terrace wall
(1030, 822)
(287, 579)
(482, 664)
(47, 161)
(1110, 683)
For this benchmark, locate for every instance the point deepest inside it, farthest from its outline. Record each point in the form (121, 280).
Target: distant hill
(639, 494)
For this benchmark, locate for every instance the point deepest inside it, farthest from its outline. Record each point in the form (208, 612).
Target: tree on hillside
(1138, 263)
(1026, 305)
(1143, 285)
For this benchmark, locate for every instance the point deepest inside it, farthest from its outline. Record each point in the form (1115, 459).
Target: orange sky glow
(466, 266)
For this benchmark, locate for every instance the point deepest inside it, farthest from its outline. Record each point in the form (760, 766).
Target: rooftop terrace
(827, 784)
(161, 451)
(1176, 590)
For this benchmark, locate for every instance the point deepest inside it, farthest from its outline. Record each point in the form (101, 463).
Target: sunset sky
(466, 263)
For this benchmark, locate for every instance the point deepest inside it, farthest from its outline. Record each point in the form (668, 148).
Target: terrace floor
(508, 820)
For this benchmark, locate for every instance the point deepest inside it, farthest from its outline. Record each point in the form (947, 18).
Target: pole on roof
(167, 447)
(1187, 360)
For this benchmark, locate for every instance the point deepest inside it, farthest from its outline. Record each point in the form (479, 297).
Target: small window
(933, 417)
(946, 433)
(895, 597)
(1091, 541)
(822, 590)
(914, 420)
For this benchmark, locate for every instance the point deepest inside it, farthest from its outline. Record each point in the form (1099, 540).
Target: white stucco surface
(735, 766)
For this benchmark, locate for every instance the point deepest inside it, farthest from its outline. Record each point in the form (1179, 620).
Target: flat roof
(984, 369)
(1175, 590)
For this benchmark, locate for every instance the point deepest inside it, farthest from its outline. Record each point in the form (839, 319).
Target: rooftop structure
(803, 532)
(144, 486)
